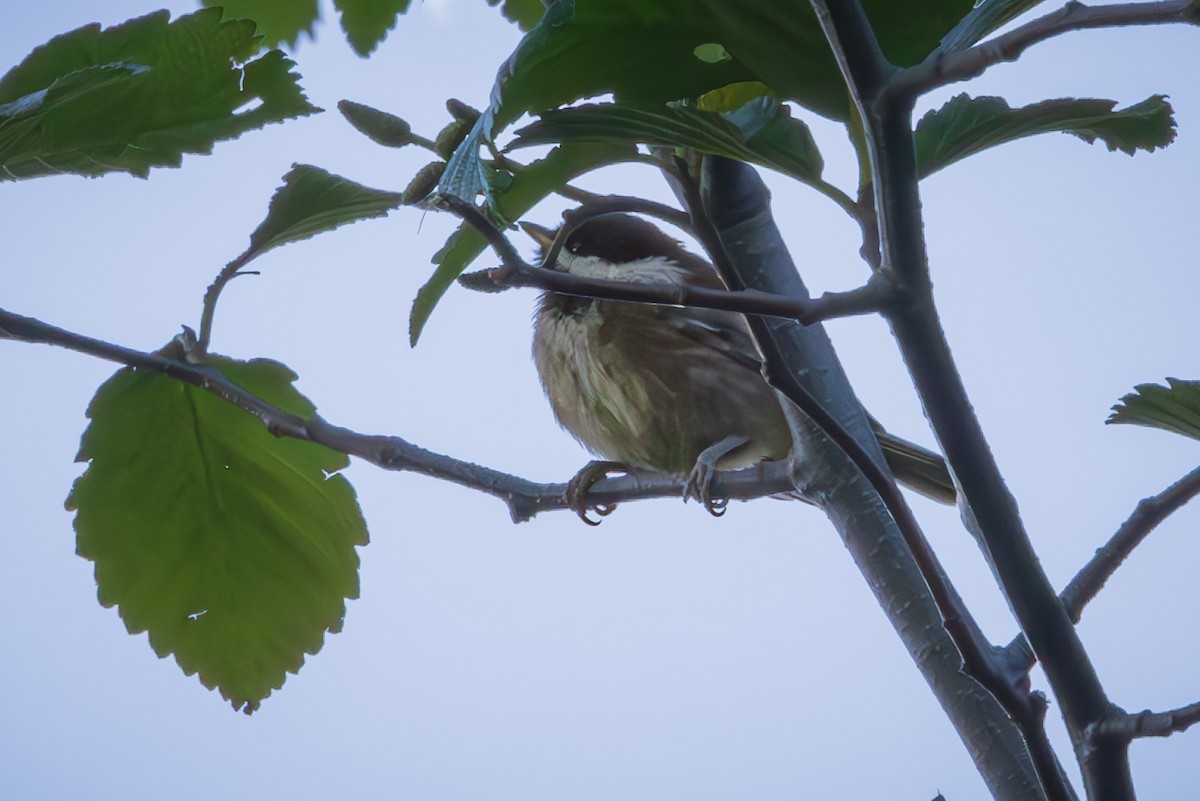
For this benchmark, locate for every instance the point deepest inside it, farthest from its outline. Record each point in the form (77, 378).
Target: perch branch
(524, 498)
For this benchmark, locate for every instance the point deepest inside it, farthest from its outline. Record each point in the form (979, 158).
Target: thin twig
(516, 272)
(1129, 726)
(1146, 516)
(940, 68)
(1088, 582)
(524, 498)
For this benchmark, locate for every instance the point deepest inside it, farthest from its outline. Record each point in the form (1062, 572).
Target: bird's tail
(917, 468)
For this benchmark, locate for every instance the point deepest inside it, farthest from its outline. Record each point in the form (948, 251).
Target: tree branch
(740, 235)
(1146, 516)
(1092, 577)
(516, 272)
(887, 124)
(1126, 727)
(941, 68)
(524, 498)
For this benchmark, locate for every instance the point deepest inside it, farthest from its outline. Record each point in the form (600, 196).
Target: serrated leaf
(233, 548)
(367, 22)
(140, 95)
(312, 201)
(644, 51)
(277, 22)
(762, 132)
(967, 125)
(529, 185)
(1175, 407)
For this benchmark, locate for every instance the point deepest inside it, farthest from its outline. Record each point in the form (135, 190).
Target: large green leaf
(277, 21)
(967, 125)
(139, 95)
(1175, 407)
(233, 548)
(654, 51)
(761, 131)
(312, 201)
(529, 185)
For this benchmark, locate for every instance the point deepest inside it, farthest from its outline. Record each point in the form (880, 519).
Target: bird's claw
(699, 486)
(579, 486)
(699, 481)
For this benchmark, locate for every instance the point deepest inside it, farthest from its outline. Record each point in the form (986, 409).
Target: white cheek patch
(645, 271)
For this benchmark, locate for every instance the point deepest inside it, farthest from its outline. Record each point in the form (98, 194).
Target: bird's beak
(543, 236)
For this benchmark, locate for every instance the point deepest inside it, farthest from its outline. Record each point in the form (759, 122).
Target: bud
(379, 126)
(423, 182)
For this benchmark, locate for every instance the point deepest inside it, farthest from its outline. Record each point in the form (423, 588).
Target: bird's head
(620, 246)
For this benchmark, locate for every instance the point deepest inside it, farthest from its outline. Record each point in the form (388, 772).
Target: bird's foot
(579, 486)
(699, 481)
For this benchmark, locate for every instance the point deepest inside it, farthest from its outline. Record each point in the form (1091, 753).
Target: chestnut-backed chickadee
(664, 388)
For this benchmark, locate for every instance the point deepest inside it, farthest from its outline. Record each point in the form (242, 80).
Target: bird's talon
(716, 506)
(577, 490)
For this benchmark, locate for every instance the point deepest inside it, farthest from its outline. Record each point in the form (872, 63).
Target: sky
(665, 654)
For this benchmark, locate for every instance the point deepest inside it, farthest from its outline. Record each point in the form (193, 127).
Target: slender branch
(1126, 727)
(866, 299)
(887, 125)
(940, 68)
(524, 498)
(1104, 563)
(1146, 516)
(516, 272)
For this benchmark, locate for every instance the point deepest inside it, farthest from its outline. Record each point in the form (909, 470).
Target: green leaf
(367, 22)
(139, 95)
(645, 51)
(233, 548)
(762, 131)
(312, 201)
(967, 125)
(733, 96)
(525, 13)
(277, 21)
(573, 52)
(529, 185)
(1175, 407)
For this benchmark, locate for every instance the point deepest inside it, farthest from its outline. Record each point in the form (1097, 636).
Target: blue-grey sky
(664, 655)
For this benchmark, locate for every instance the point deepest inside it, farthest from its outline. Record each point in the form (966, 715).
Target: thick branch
(748, 248)
(524, 498)
(888, 132)
(940, 69)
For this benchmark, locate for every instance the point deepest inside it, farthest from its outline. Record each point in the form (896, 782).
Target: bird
(666, 388)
